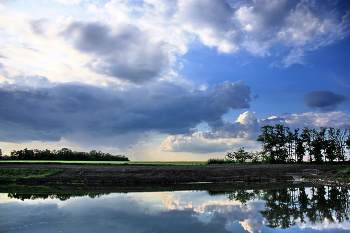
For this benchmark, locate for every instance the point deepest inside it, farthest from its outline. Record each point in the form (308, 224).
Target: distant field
(26, 173)
(153, 163)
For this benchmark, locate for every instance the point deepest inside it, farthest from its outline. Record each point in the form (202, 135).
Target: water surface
(322, 209)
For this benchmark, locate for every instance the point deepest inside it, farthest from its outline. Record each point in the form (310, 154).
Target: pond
(302, 209)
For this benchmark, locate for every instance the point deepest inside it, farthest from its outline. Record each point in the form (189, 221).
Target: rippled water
(322, 209)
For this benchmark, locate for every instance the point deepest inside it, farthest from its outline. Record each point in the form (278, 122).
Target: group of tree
(63, 154)
(241, 156)
(280, 144)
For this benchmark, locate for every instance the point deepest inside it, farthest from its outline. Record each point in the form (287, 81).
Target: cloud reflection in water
(185, 211)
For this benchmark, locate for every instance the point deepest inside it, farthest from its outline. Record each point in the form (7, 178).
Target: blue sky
(169, 80)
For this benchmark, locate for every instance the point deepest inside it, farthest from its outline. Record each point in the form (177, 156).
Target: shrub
(344, 171)
(218, 161)
(242, 156)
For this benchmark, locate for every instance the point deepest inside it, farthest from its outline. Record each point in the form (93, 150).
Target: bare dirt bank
(138, 174)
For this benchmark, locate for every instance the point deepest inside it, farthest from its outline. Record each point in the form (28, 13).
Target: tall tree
(330, 145)
(267, 138)
(299, 146)
(306, 136)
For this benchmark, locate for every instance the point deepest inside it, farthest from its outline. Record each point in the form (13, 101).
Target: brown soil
(138, 174)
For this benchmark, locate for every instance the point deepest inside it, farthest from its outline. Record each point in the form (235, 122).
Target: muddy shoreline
(160, 178)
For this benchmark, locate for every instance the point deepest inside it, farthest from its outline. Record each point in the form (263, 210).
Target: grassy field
(153, 163)
(27, 173)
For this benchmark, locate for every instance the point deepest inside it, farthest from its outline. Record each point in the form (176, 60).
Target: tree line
(280, 144)
(62, 154)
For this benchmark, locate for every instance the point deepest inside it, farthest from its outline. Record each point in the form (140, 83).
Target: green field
(153, 163)
(27, 173)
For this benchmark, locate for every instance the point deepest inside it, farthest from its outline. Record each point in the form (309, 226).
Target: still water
(321, 209)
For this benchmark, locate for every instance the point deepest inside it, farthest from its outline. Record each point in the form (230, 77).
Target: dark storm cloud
(123, 52)
(52, 112)
(324, 100)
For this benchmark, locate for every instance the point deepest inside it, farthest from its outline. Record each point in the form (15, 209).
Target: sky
(169, 80)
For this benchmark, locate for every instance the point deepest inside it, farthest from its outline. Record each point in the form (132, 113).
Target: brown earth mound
(138, 174)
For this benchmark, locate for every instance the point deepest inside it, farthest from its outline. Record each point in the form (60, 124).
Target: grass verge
(27, 173)
(344, 171)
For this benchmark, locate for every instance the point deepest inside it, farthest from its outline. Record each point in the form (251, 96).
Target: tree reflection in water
(62, 197)
(285, 207)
